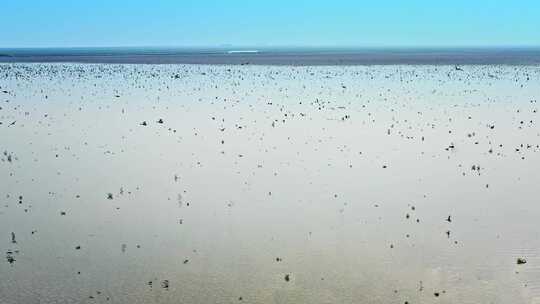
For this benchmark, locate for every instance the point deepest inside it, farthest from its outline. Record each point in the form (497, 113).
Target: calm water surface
(269, 184)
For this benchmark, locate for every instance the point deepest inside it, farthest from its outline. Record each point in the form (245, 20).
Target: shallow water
(269, 184)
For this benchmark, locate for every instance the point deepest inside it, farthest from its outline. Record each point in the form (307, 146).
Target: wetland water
(269, 184)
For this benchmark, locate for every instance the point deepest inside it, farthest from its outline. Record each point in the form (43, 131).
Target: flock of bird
(222, 183)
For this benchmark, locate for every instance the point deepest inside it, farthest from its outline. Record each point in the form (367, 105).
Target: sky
(206, 23)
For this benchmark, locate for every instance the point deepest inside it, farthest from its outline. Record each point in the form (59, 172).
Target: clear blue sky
(69, 23)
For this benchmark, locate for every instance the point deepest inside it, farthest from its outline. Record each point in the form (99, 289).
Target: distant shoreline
(290, 56)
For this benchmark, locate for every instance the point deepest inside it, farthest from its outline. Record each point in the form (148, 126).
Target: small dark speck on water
(10, 258)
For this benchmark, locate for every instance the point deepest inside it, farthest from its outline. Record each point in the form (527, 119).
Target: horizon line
(313, 46)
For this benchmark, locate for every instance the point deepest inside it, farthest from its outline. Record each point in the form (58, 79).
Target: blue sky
(376, 23)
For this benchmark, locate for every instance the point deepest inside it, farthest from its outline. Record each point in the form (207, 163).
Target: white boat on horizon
(242, 51)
